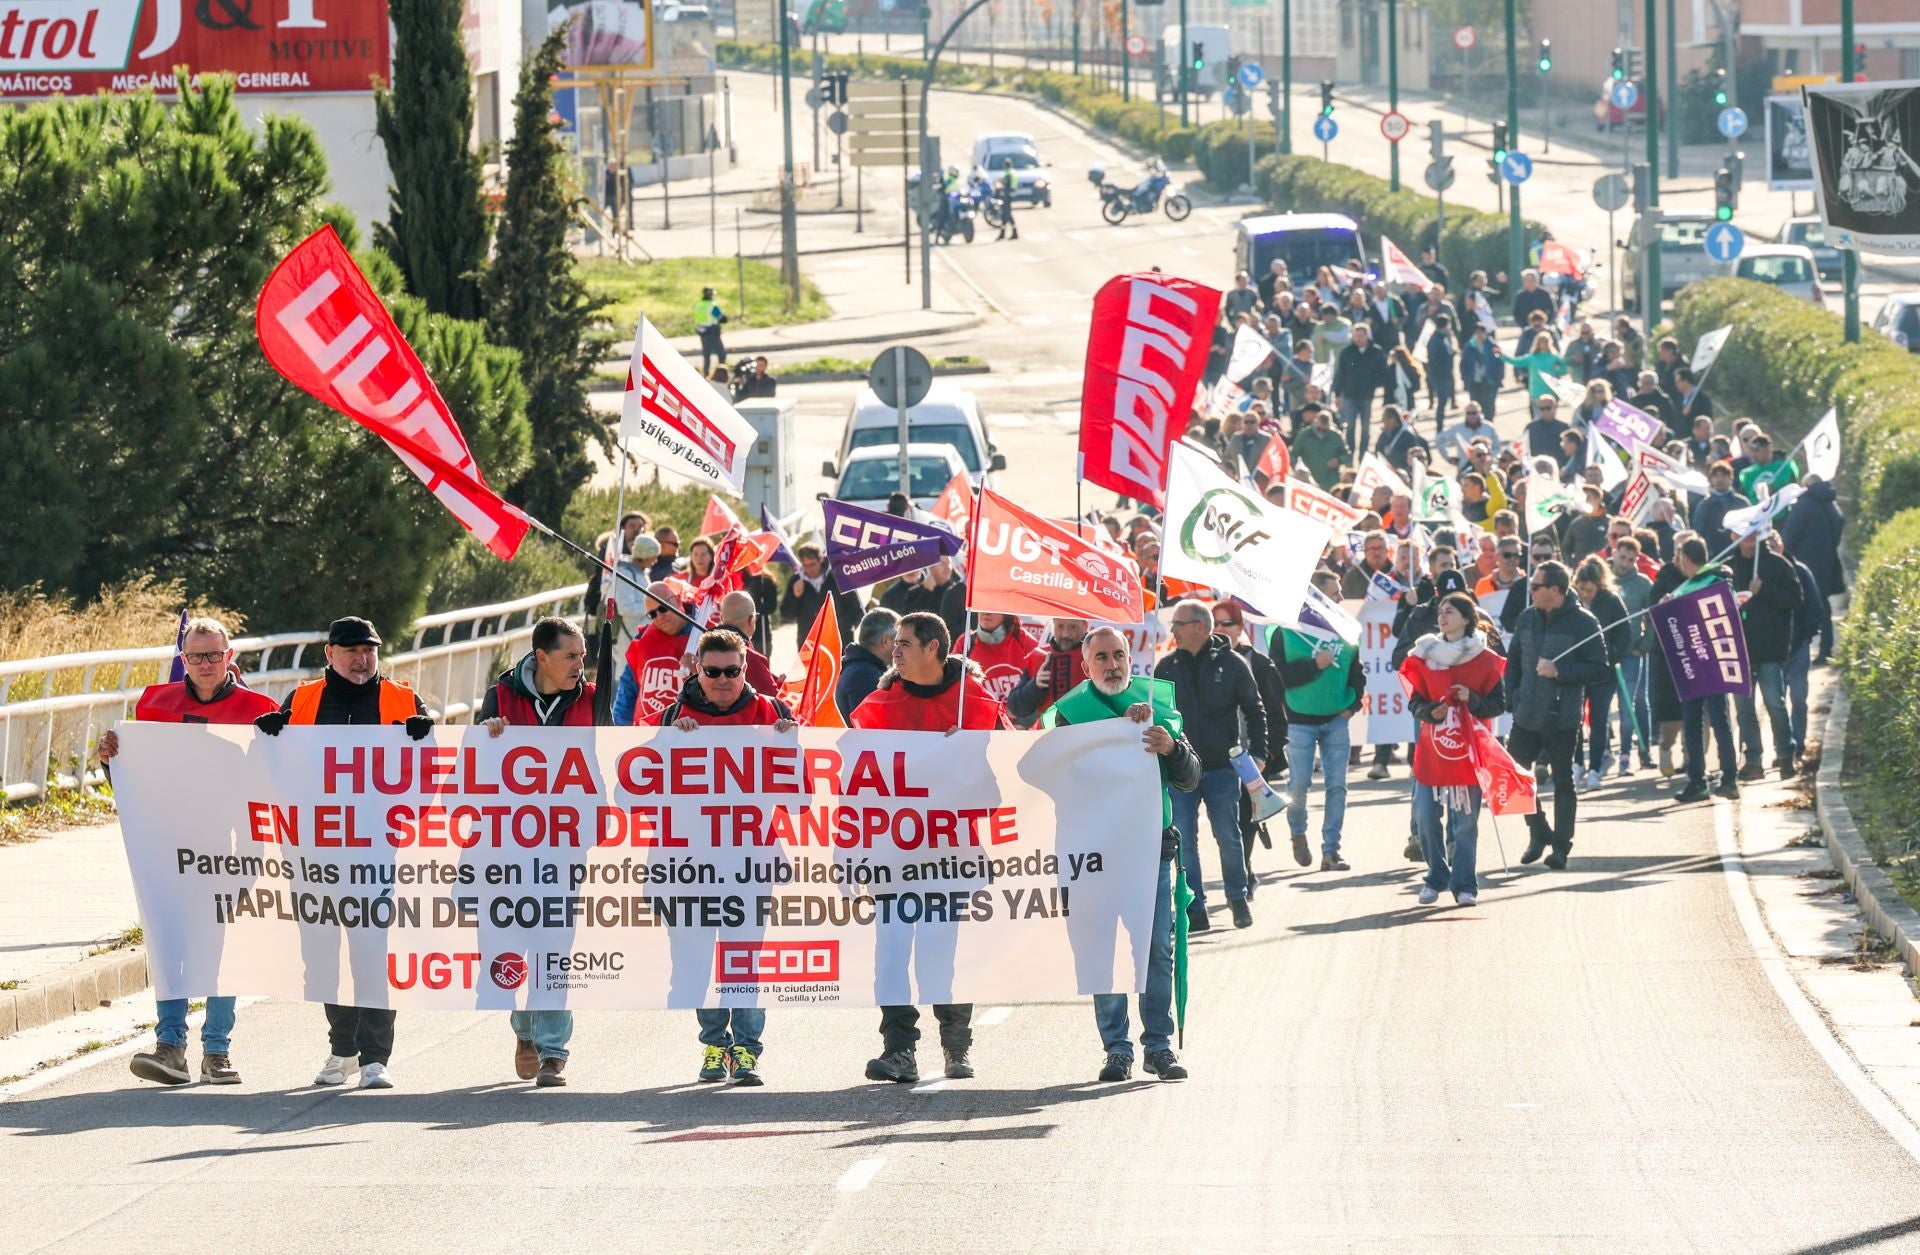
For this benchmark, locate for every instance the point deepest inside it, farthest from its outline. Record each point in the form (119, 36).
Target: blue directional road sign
(1732, 122)
(1624, 95)
(1725, 241)
(1251, 75)
(1517, 168)
(1325, 128)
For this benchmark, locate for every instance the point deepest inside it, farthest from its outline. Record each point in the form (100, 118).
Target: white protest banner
(1323, 507)
(1823, 446)
(1706, 350)
(1757, 520)
(1384, 714)
(1397, 267)
(1636, 503)
(627, 868)
(1251, 351)
(675, 419)
(1672, 472)
(1375, 471)
(1221, 535)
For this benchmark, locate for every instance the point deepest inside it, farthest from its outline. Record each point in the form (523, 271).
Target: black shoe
(959, 1067)
(1197, 921)
(1729, 790)
(1333, 863)
(1790, 769)
(1165, 1065)
(1696, 791)
(1753, 771)
(1242, 914)
(1117, 1068)
(897, 1066)
(1536, 846)
(1558, 859)
(1301, 854)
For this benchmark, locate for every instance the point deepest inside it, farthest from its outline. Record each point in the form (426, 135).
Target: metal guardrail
(47, 736)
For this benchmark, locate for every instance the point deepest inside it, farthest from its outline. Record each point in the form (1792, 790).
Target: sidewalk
(62, 897)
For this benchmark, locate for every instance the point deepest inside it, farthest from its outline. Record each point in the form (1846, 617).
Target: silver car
(1809, 231)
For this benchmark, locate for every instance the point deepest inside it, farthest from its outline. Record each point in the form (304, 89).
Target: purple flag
(178, 671)
(1705, 644)
(867, 546)
(1628, 426)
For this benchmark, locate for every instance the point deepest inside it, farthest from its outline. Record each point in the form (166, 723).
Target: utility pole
(1182, 54)
(1286, 77)
(1393, 86)
(1650, 248)
(789, 218)
(1516, 243)
(1849, 258)
(1673, 96)
(1126, 58)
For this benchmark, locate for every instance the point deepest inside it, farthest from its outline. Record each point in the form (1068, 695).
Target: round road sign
(1325, 128)
(1732, 122)
(1395, 126)
(1624, 95)
(837, 122)
(1610, 191)
(1517, 168)
(1464, 38)
(1440, 174)
(1724, 241)
(815, 98)
(1251, 75)
(887, 382)
(1136, 45)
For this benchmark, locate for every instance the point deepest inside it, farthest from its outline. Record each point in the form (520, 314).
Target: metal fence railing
(53, 709)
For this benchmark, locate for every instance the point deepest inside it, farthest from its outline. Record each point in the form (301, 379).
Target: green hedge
(1880, 651)
(1787, 362)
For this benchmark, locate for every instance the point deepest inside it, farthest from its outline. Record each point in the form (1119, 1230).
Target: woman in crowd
(1452, 677)
(699, 562)
(1539, 364)
(1404, 379)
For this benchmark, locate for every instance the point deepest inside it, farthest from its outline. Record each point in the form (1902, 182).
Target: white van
(1305, 242)
(949, 416)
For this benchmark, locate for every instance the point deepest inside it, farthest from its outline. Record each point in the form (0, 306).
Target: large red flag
(1145, 353)
(1508, 788)
(954, 505)
(1275, 462)
(1021, 563)
(322, 326)
(811, 695)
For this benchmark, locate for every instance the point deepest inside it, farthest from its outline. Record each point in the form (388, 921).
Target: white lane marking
(994, 1015)
(1845, 1068)
(860, 1176)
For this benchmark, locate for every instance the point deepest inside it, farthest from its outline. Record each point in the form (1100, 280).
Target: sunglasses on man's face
(657, 611)
(721, 673)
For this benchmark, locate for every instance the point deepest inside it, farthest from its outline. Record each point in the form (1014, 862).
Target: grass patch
(668, 289)
(137, 614)
(9, 984)
(88, 1047)
(61, 809)
(131, 937)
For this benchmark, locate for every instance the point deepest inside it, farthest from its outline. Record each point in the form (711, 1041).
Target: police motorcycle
(1117, 202)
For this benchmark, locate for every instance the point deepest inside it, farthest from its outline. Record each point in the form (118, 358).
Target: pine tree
(141, 429)
(436, 228)
(536, 302)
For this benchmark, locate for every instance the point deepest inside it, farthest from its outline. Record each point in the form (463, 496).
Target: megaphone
(1266, 802)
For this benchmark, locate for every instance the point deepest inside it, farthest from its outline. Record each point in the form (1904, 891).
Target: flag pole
(973, 530)
(1636, 614)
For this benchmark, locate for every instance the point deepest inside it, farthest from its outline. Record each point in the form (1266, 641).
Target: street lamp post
(926, 90)
(1516, 252)
(1286, 77)
(1182, 62)
(1849, 258)
(789, 218)
(1650, 248)
(1126, 58)
(1393, 86)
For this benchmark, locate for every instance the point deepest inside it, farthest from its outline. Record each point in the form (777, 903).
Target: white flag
(1672, 472)
(1757, 520)
(1823, 447)
(1374, 472)
(1546, 497)
(1221, 535)
(1251, 351)
(1706, 349)
(1396, 267)
(1604, 454)
(676, 419)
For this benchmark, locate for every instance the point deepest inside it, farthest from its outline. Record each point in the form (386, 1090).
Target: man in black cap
(352, 691)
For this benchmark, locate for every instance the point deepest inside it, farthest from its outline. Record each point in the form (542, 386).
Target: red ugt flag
(1020, 563)
(321, 325)
(1145, 353)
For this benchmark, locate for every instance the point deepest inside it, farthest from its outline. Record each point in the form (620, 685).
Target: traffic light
(1859, 63)
(1273, 97)
(1326, 97)
(835, 85)
(1619, 64)
(1546, 55)
(1720, 88)
(1499, 142)
(1723, 194)
(1437, 138)
(1633, 64)
(1199, 56)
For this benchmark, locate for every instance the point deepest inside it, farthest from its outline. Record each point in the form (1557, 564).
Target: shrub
(1880, 650)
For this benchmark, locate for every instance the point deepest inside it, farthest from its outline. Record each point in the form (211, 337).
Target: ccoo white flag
(676, 419)
(1221, 535)
(1823, 447)
(1396, 267)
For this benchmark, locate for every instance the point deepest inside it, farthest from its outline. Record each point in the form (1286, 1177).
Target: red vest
(760, 711)
(517, 710)
(896, 709)
(654, 657)
(1005, 664)
(172, 703)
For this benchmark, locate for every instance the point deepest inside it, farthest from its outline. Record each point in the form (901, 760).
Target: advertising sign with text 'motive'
(279, 47)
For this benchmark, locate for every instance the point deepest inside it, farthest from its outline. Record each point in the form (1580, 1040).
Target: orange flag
(811, 696)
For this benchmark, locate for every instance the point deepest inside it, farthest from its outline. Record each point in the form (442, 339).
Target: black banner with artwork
(1865, 140)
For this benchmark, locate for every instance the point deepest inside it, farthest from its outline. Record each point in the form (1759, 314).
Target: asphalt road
(1588, 1060)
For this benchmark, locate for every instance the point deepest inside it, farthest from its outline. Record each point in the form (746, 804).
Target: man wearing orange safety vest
(352, 691)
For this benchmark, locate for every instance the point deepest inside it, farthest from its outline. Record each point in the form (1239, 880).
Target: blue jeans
(1356, 420)
(1799, 662)
(1599, 731)
(1770, 678)
(549, 1031)
(1156, 1004)
(732, 1026)
(1636, 716)
(1461, 840)
(1220, 789)
(216, 1034)
(1695, 715)
(1332, 739)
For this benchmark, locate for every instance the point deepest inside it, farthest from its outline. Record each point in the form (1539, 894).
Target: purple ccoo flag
(1628, 426)
(1705, 642)
(866, 546)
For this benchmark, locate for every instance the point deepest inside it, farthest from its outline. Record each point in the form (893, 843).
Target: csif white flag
(1222, 535)
(675, 419)
(1823, 447)
(1757, 520)
(1251, 351)
(1706, 351)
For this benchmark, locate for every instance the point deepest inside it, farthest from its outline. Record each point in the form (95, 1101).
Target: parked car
(1811, 232)
(1032, 177)
(872, 474)
(1683, 255)
(1788, 267)
(948, 415)
(1899, 320)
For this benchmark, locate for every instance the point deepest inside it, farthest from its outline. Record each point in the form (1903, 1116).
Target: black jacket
(1273, 703)
(1540, 704)
(1611, 613)
(1359, 373)
(860, 672)
(803, 609)
(1526, 303)
(1709, 519)
(1543, 439)
(343, 701)
(1814, 619)
(1811, 533)
(1768, 615)
(1217, 698)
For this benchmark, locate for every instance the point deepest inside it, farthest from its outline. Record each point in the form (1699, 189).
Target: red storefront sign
(278, 47)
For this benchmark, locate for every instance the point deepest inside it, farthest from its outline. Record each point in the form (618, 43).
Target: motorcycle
(956, 218)
(987, 199)
(1117, 202)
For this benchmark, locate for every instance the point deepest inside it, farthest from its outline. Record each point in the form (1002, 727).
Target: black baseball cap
(352, 630)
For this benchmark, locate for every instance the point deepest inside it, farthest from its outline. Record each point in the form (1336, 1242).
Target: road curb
(1888, 913)
(82, 986)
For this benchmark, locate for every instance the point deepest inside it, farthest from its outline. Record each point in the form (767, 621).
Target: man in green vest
(707, 319)
(1325, 686)
(1112, 691)
(1009, 184)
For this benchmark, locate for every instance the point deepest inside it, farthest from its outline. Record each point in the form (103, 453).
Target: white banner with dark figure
(1866, 158)
(1789, 163)
(628, 869)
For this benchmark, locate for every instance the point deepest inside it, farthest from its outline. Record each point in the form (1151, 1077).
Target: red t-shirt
(1003, 665)
(654, 657)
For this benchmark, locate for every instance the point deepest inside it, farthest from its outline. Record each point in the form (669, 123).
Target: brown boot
(526, 1060)
(219, 1070)
(165, 1064)
(550, 1073)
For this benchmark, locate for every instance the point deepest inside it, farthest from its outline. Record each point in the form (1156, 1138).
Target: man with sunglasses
(718, 696)
(1556, 652)
(210, 693)
(655, 666)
